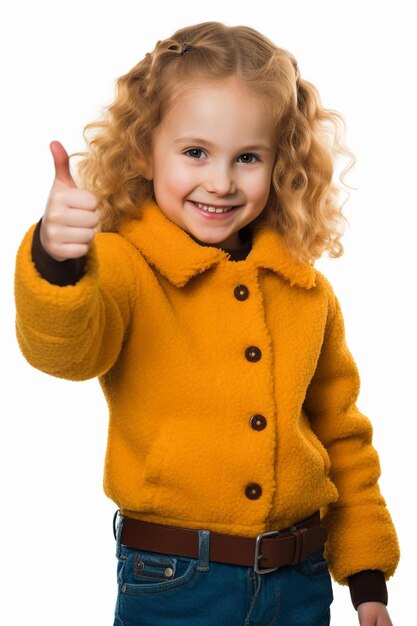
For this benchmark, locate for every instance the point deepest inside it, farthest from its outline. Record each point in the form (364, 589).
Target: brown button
(253, 491)
(258, 422)
(253, 354)
(241, 292)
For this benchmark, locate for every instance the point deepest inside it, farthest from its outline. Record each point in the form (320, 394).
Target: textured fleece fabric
(155, 318)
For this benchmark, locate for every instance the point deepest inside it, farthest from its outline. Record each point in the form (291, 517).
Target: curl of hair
(304, 200)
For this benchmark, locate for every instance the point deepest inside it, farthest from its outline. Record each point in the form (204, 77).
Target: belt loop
(203, 564)
(117, 531)
(299, 545)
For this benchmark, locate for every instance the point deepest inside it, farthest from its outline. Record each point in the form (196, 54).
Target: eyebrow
(199, 140)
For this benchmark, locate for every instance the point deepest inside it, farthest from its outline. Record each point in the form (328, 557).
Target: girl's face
(212, 159)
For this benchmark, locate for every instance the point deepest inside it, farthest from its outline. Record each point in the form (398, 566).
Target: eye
(195, 153)
(248, 157)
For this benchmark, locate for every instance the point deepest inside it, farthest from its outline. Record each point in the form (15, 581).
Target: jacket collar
(178, 257)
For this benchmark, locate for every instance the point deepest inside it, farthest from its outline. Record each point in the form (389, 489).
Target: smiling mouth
(213, 209)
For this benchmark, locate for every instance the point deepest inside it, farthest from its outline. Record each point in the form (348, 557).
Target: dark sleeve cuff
(60, 273)
(368, 586)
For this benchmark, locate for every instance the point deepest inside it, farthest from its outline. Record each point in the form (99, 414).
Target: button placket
(253, 491)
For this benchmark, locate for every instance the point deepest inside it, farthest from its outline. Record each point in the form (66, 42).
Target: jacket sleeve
(75, 331)
(361, 534)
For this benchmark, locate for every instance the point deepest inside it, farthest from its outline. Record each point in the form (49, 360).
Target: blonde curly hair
(303, 204)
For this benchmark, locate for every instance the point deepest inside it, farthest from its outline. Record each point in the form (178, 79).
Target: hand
(373, 614)
(69, 221)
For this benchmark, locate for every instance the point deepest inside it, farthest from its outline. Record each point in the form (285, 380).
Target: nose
(220, 180)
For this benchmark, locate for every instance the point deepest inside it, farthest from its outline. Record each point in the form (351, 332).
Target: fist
(69, 221)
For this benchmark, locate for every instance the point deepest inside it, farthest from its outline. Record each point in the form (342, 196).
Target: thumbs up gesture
(69, 221)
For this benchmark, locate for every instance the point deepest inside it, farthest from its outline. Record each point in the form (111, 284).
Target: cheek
(258, 187)
(176, 180)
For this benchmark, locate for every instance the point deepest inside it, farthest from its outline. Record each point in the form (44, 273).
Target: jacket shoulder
(325, 288)
(114, 244)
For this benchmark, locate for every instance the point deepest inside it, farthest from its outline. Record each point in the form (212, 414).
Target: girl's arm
(361, 533)
(76, 331)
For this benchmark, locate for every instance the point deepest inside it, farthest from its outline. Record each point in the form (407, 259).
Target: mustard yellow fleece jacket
(231, 390)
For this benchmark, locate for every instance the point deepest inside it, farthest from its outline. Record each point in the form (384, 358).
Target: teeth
(212, 209)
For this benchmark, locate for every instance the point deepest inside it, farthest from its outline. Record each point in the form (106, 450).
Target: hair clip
(185, 47)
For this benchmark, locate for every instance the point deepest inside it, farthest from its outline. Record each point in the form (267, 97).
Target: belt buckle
(258, 556)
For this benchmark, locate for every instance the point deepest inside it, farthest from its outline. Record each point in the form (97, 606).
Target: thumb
(61, 162)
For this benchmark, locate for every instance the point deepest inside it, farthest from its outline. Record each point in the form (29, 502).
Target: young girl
(184, 279)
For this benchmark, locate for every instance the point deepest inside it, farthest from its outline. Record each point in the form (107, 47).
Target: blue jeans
(156, 589)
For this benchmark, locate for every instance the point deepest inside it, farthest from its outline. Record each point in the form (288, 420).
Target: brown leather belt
(265, 553)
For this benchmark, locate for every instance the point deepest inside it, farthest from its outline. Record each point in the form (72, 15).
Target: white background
(63, 59)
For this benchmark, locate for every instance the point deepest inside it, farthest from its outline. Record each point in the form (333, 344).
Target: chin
(210, 238)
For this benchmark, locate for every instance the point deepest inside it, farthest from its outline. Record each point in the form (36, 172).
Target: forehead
(217, 108)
